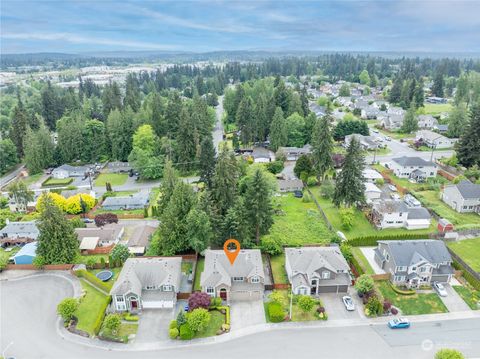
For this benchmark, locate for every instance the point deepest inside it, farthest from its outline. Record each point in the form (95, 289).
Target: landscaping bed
(51, 182)
(277, 309)
(469, 251)
(469, 296)
(412, 304)
(115, 179)
(91, 309)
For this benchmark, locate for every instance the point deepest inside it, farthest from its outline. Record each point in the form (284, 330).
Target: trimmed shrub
(215, 302)
(99, 320)
(374, 305)
(173, 324)
(173, 333)
(372, 240)
(66, 308)
(198, 300)
(394, 311)
(402, 291)
(181, 318)
(131, 318)
(185, 332)
(92, 279)
(227, 313)
(105, 218)
(275, 312)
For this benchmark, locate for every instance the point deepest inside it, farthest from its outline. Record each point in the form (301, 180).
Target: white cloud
(77, 39)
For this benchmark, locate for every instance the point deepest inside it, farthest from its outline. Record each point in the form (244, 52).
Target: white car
(375, 131)
(348, 302)
(392, 188)
(387, 138)
(395, 196)
(442, 292)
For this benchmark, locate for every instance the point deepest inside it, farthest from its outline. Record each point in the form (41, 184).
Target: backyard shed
(26, 255)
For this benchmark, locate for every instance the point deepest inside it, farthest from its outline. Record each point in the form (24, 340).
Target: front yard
(298, 315)
(115, 179)
(297, 222)
(437, 108)
(57, 182)
(214, 325)
(469, 295)
(423, 303)
(469, 251)
(91, 307)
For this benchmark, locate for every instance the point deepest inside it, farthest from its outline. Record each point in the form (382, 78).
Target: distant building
(65, 171)
(436, 100)
(372, 192)
(396, 214)
(370, 175)
(434, 140)
(289, 185)
(366, 142)
(426, 121)
(13, 230)
(293, 153)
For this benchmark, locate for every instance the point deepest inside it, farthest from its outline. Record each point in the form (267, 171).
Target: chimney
(7, 221)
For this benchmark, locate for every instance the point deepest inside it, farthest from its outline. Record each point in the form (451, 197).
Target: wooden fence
(45, 267)
(385, 276)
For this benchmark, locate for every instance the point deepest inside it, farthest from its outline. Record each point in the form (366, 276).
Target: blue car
(399, 323)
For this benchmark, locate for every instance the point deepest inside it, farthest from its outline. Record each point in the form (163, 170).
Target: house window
(150, 287)
(314, 282)
(401, 214)
(401, 269)
(423, 269)
(167, 288)
(326, 275)
(255, 279)
(210, 290)
(238, 279)
(120, 298)
(387, 257)
(414, 269)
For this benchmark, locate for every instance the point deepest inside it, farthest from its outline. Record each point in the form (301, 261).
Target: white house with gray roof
(146, 283)
(396, 214)
(413, 263)
(14, 230)
(413, 167)
(243, 280)
(134, 201)
(463, 197)
(315, 270)
(65, 171)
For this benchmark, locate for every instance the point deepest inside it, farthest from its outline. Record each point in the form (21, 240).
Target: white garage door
(246, 295)
(158, 304)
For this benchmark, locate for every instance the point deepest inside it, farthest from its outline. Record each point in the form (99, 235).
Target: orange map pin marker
(232, 255)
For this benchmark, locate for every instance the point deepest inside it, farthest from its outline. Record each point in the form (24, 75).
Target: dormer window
(150, 287)
(238, 279)
(255, 279)
(167, 288)
(325, 275)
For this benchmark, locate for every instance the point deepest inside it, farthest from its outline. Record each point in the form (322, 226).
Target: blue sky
(388, 25)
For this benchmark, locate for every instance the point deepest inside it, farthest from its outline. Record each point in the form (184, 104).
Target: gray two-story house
(463, 197)
(315, 270)
(413, 263)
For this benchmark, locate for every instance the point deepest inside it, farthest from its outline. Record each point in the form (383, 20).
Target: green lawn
(115, 179)
(361, 226)
(471, 297)
(187, 267)
(81, 259)
(397, 135)
(415, 304)
(119, 193)
(469, 251)
(57, 182)
(32, 179)
(120, 212)
(198, 273)
(90, 308)
(278, 269)
(7, 255)
(297, 314)
(433, 108)
(216, 321)
(116, 272)
(431, 199)
(297, 222)
(126, 329)
(362, 261)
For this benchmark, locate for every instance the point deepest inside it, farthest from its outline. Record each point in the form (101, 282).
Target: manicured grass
(432, 200)
(433, 108)
(32, 179)
(115, 271)
(57, 182)
(120, 212)
(362, 260)
(361, 226)
(397, 135)
(127, 329)
(215, 324)
(90, 308)
(424, 303)
(469, 251)
(278, 269)
(119, 193)
(115, 179)
(297, 222)
(470, 296)
(198, 273)
(299, 315)
(81, 259)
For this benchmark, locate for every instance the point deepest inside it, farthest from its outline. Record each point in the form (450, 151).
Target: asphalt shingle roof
(412, 161)
(468, 189)
(404, 252)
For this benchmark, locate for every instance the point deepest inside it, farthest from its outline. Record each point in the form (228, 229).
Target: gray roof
(306, 261)
(141, 235)
(72, 168)
(412, 161)
(418, 213)
(290, 183)
(218, 269)
(468, 189)
(107, 233)
(138, 199)
(407, 252)
(17, 228)
(390, 206)
(140, 272)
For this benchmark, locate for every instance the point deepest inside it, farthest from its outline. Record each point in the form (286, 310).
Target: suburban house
(147, 283)
(318, 110)
(65, 171)
(106, 237)
(242, 280)
(118, 167)
(140, 239)
(426, 121)
(138, 200)
(370, 175)
(370, 112)
(413, 263)
(289, 185)
(434, 140)
(18, 233)
(413, 167)
(392, 121)
(396, 214)
(463, 197)
(293, 153)
(26, 254)
(443, 129)
(433, 99)
(366, 142)
(372, 192)
(315, 270)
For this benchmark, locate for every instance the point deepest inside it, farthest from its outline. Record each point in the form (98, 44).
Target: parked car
(298, 194)
(395, 196)
(399, 323)
(387, 138)
(348, 302)
(392, 188)
(87, 220)
(442, 292)
(375, 131)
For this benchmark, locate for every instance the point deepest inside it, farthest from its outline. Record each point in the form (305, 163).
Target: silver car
(442, 292)
(348, 302)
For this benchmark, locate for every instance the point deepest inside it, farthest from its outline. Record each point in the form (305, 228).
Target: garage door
(245, 295)
(333, 289)
(158, 304)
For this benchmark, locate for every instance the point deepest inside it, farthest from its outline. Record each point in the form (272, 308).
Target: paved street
(7, 178)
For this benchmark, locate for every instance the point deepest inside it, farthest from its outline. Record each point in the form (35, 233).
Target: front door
(223, 294)
(134, 304)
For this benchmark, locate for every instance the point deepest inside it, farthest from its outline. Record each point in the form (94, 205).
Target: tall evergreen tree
(349, 185)
(281, 96)
(457, 120)
(8, 155)
(39, 149)
(70, 142)
(207, 161)
(57, 243)
(244, 119)
(261, 118)
(158, 117)
(186, 141)
(19, 126)
(438, 84)
(410, 122)
(468, 147)
(132, 93)
(94, 141)
(111, 98)
(199, 230)
(167, 186)
(322, 145)
(172, 113)
(225, 179)
(119, 132)
(304, 100)
(51, 108)
(278, 130)
(396, 90)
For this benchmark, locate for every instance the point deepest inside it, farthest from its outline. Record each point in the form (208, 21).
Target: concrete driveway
(247, 313)
(336, 309)
(453, 301)
(153, 325)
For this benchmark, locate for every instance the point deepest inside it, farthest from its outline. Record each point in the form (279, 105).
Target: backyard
(362, 261)
(469, 251)
(198, 272)
(297, 222)
(90, 308)
(437, 108)
(115, 179)
(423, 303)
(278, 269)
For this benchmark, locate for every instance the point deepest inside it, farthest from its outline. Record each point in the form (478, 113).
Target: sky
(202, 26)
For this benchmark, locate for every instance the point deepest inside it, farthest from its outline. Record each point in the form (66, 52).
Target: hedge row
(89, 277)
(101, 316)
(354, 262)
(52, 182)
(401, 291)
(474, 282)
(372, 240)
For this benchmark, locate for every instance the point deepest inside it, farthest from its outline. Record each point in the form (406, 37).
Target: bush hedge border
(99, 321)
(474, 282)
(92, 279)
(372, 240)
(67, 182)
